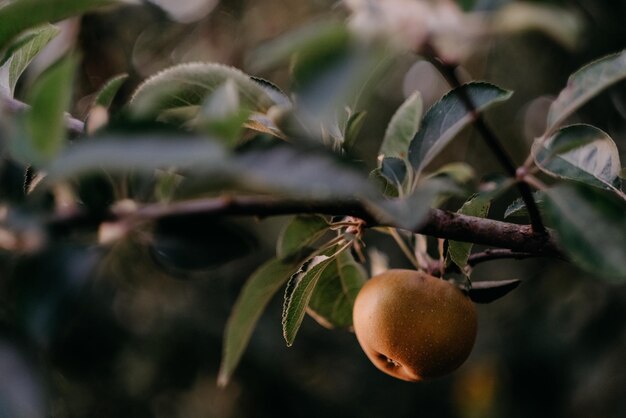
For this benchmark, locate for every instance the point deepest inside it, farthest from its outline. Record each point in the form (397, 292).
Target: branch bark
(439, 223)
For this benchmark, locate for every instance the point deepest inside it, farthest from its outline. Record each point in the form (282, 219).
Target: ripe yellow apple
(414, 326)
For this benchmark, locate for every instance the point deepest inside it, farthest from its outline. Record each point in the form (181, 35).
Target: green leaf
(591, 228)
(411, 211)
(394, 170)
(107, 93)
(459, 252)
(20, 54)
(45, 121)
(518, 208)
(580, 152)
(489, 291)
(138, 154)
(402, 128)
(446, 118)
(250, 304)
(382, 183)
(222, 115)
(186, 86)
(353, 128)
(460, 173)
(301, 232)
(333, 298)
(302, 173)
(20, 15)
(583, 85)
(298, 293)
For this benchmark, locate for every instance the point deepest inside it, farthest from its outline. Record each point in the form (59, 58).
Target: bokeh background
(117, 332)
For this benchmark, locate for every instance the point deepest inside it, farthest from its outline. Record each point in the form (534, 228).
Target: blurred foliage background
(89, 332)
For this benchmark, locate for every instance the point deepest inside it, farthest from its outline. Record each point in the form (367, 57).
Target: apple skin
(414, 326)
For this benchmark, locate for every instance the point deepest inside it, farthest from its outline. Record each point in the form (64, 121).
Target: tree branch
(439, 223)
(448, 70)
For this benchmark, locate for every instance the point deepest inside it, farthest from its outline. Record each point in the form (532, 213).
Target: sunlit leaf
(107, 93)
(333, 298)
(187, 86)
(301, 232)
(489, 291)
(20, 54)
(459, 252)
(591, 227)
(250, 304)
(446, 118)
(402, 128)
(582, 153)
(584, 84)
(45, 121)
(298, 293)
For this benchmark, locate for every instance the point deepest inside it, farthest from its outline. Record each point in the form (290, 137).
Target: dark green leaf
(107, 93)
(584, 84)
(45, 121)
(394, 170)
(487, 292)
(20, 15)
(402, 128)
(298, 293)
(591, 227)
(580, 152)
(301, 232)
(20, 54)
(411, 211)
(138, 154)
(518, 207)
(333, 298)
(250, 304)
(446, 118)
(386, 187)
(459, 252)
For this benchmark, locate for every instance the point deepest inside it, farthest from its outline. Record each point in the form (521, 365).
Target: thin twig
(448, 70)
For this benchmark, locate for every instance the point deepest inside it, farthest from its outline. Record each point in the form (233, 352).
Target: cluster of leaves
(202, 130)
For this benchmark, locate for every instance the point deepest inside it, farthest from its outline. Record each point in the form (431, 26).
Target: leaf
(518, 207)
(222, 115)
(334, 295)
(186, 86)
(411, 211)
(394, 170)
(20, 54)
(382, 183)
(402, 128)
(20, 15)
(460, 173)
(107, 93)
(446, 118)
(45, 121)
(459, 252)
(353, 128)
(250, 304)
(299, 233)
(489, 291)
(580, 152)
(308, 173)
(298, 293)
(276, 94)
(138, 154)
(591, 228)
(583, 85)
